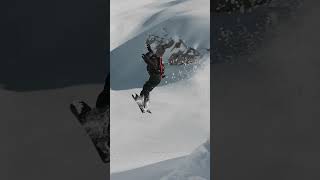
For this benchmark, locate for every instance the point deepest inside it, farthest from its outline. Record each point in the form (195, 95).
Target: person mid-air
(155, 70)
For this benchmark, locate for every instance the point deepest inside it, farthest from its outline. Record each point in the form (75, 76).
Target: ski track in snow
(180, 119)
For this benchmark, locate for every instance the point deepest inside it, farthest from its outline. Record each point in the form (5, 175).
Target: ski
(93, 121)
(140, 104)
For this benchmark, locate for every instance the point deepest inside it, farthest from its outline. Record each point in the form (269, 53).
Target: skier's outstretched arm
(146, 59)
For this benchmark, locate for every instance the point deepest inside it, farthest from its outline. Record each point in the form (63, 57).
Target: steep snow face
(180, 111)
(130, 27)
(187, 20)
(130, 19)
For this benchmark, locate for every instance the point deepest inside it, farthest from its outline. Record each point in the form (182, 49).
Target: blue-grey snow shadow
(152, 18)
(127, 68)
(172, 3)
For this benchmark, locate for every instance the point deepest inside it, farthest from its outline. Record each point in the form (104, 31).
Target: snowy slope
(195, 166)
(180, 119)
(179, 123)
(152, 171)
(130, 19)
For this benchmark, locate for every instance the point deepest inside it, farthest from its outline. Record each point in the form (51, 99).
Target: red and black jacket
(154, 63)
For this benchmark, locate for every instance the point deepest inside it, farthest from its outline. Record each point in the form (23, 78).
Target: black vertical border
(107, 52)
(212, 151)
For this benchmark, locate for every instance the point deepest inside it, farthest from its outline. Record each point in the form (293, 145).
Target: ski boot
(145, 101)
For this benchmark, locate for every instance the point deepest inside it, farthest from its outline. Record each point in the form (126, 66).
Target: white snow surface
(180, 119)
(189, 18)
(195, 166)
(178, 124)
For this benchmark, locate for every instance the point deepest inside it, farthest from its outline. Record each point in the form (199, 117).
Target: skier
(102, 102)
(96, 121)
(155, 70)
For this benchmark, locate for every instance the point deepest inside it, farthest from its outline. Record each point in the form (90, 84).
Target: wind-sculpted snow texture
(180, 106)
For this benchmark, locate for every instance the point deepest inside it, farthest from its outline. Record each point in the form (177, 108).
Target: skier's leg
(103, 99)
(146, 88)
(153, 81)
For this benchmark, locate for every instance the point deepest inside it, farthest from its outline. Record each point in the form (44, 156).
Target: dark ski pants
(148, 86)
(103, 99)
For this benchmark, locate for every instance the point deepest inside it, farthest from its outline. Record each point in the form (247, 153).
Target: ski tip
(142, 110)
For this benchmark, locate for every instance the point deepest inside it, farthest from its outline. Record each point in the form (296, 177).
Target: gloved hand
(84, 108)
(144, 57)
